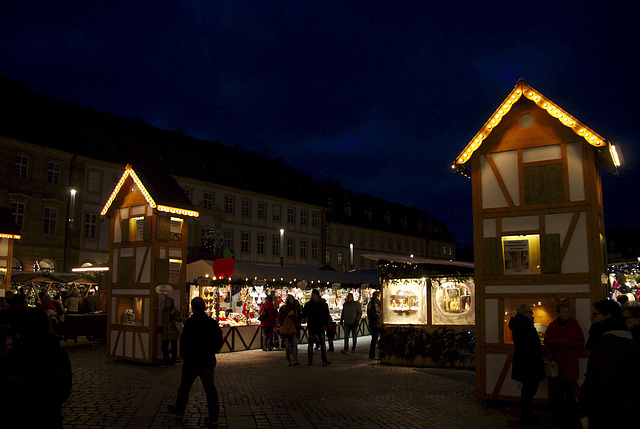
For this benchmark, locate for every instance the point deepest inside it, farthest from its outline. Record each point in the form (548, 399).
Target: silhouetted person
(374, 317)
(528, 364)
(35, 369)
(612, 353)
(316, 314)
(201, 340)
(563, 342)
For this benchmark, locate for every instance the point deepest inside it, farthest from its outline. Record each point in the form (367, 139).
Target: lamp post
(351, 256)
(281, 247)
(69, 234)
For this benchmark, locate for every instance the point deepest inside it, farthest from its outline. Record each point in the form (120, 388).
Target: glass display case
(453, 301)
(129, 311)
(404, 301)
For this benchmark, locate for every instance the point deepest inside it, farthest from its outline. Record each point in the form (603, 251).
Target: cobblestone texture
(258, 390)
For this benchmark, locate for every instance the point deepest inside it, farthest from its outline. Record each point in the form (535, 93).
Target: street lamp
(281, 247)
(69, 234)
(351, 255)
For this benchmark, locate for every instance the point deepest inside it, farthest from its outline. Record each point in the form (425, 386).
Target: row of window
(50, 220)
(261, 244)
(21, 169)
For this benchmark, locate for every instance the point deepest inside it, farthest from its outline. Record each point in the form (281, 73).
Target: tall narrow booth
(538, 225)
(9, 232)
(147, 255)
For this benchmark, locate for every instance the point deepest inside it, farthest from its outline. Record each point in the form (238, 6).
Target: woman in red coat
(563, 342)
(268, 322)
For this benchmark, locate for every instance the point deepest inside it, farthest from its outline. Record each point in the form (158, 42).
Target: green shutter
(125, 270)
(550, 262)
(163, 228)
(553, 183)
(492, 256)
(146, 231)
(124, 228)
(161, 271)
(543, 184)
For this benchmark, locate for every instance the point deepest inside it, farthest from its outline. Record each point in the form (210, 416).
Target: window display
(544, 312)
(404, 301)
(129, 311)
(452, 301)
(521, 254)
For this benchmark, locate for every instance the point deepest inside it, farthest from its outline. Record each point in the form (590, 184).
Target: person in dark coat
(268, 323)
(528, 364)
(613, 352)
(374, 317)
(631, 316)
(170, 317)
(201, 340)
(36, 369)
(316, 314)
(563, 342)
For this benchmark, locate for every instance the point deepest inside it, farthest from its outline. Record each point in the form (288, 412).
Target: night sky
(381, 96)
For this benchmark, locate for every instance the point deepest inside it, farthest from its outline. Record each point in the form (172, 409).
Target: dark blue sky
(379, 95)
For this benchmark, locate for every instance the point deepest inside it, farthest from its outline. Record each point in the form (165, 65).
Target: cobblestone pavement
(258, 390)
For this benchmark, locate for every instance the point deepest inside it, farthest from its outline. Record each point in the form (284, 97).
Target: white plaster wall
(507, 164)
(492, 195)
(145, 269)
(492, 331)
(576, 173)
(543, 153)
(577, 258)
(520, 223)
(4, 247)
(489, 228)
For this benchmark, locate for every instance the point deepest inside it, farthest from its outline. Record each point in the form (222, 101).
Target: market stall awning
(310, 273)
(37, 277)
(406, 259)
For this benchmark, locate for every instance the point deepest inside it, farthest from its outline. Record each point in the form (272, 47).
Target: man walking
(350, 319)
(201, 340)
(316, 314)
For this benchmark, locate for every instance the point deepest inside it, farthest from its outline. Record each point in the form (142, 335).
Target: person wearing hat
(316, 314)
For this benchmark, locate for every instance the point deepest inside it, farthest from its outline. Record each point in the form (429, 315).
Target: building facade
(61, 161)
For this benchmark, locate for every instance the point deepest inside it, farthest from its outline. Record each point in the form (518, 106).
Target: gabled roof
(8, 227)
(160, 191)
(564, 118)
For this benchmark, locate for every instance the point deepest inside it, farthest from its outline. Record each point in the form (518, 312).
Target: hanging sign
(164, 289)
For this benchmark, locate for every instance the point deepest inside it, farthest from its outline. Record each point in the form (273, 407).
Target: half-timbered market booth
(428, 311)
(9, 231)
(538, 225)
(147, 257)
(235, 301)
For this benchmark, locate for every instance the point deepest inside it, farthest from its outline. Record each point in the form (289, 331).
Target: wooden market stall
(429, 303)
(147, 252)
(9, 232)
(538, 225)
(235, 301)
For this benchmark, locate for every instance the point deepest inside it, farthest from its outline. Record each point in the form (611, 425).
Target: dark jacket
(564, 341)
(170, 315)
(612, 378)
(201, 338)
(317, 314)
(374, 313)
(528, 364)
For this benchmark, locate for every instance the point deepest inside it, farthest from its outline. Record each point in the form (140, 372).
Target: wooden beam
(503, 185)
